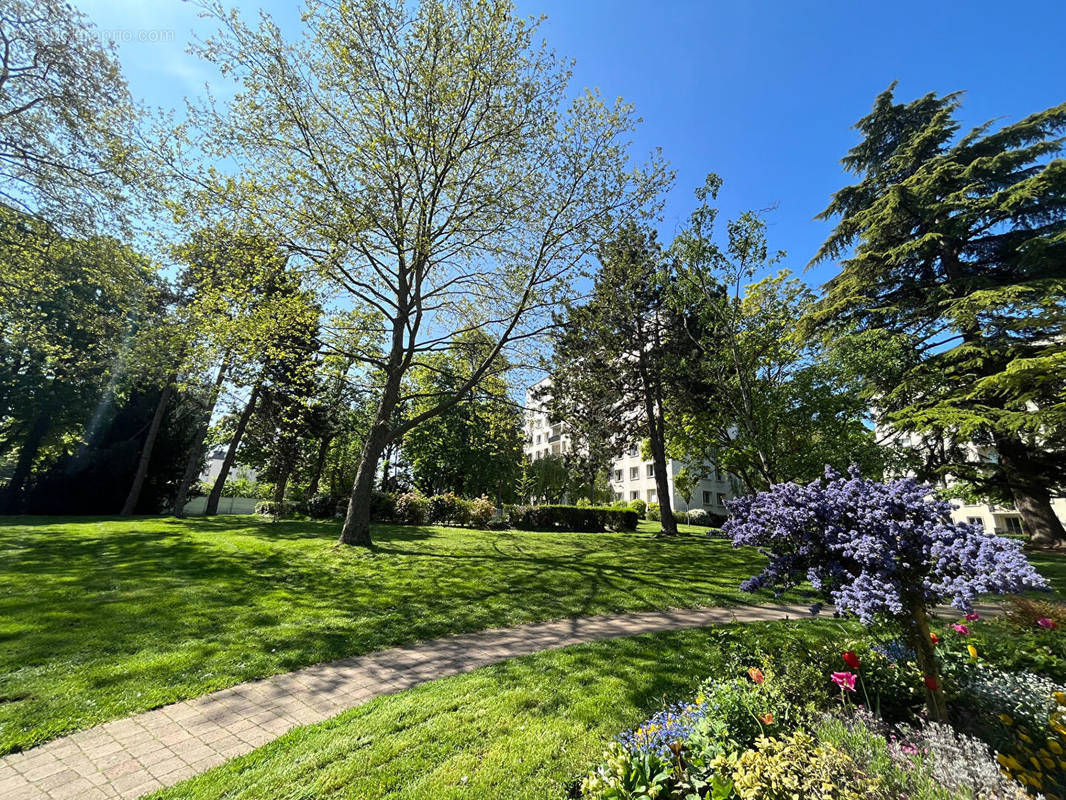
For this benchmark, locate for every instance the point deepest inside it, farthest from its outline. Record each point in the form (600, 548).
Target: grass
(526, 728)
(101, 619)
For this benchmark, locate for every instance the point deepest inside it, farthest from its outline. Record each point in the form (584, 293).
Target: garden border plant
(879, 551)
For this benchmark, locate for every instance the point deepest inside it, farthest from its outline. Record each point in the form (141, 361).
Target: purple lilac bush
(867, 546)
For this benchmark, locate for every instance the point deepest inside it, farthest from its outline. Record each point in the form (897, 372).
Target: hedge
(589, 519)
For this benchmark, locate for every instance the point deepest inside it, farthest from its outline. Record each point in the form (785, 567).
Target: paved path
(131, 757)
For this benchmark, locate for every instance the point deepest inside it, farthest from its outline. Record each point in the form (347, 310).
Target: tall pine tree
(953, 246)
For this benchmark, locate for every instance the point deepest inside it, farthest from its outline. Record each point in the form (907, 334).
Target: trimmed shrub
(482, 511)
(449, 509)
(639, 506)
(411, 508)
(321, 506)
(652, 513)
(698, 516)
(593, 519)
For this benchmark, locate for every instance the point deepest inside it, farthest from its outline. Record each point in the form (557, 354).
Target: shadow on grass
(100, 618)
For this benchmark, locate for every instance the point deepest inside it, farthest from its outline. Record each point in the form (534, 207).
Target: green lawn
(523, 729)
(100, 619)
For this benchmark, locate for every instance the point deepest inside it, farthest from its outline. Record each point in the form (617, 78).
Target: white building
(630, 476)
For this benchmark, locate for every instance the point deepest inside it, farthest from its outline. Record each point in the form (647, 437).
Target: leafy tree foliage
(475, 446)
(66, 119)
(623, 345)
(751, 395)
(75, 313)
(421, 158)
(958, 245)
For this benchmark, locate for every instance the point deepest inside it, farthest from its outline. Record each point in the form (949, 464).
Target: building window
(1014, 525)
(650, 470)
(538, 438)
(717, 473)
(634, 473)
(706, 498)
(651, 496)
(980, 523)
(618, 474)
(721, 499)
(633, 450)
(634, 495)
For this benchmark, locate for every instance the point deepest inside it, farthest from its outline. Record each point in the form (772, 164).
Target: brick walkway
(131, 757)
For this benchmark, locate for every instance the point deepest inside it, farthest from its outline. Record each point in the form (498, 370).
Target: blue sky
(763, 93)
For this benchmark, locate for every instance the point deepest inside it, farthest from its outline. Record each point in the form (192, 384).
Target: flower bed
(907, 710)
(849, 722)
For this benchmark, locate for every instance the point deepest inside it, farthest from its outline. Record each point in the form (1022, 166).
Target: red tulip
(767, 719)
(931, 683)
(961, 629)
(973, 616)
(850, 659)
(1044, 622)
(756, 674)
(934, 638)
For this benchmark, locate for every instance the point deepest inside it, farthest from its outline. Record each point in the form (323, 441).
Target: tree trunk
(1031, 496)
(231, 454)
(356, 528)
(196, 451)
(139, 476)
(31, 445)
(1044, 527)
(280, 485)
(662, 491)
(320, 464)
(927, 661)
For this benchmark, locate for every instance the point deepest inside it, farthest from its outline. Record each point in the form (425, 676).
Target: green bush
(798, 767)
(639, 506)
(698, 516)
(593, 519)
(382, 506)
(321, 506)
(449, 509)
(411, 508)
(652, 512)
(482, 511)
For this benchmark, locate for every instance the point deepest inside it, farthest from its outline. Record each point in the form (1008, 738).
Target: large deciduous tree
(954, 245)
(750, 388)
(66, 118)
(423, 158)
(621, 344)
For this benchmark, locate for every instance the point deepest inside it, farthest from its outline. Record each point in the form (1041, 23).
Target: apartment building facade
(630, 476)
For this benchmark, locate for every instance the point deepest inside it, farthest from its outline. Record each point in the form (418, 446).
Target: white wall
(226, 505)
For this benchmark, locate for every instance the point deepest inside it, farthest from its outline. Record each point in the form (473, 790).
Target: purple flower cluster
(669, 726)
(866, 546)
(896, 651)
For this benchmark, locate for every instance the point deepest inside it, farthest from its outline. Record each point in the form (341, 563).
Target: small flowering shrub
(449, 509)
(482, 510)
(878, 550)
(411, 508)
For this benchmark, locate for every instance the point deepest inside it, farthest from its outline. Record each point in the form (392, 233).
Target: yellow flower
(1060, 698)
(973, 650)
